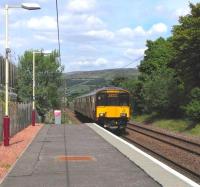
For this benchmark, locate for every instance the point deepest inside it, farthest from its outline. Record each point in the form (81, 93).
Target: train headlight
(101, 114)
(123, 115)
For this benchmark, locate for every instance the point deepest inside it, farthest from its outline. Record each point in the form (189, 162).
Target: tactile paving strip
(75, 158)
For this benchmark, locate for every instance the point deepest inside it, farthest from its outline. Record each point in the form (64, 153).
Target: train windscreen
(113, 99)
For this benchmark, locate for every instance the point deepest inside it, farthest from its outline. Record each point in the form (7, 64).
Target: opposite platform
(94, 163)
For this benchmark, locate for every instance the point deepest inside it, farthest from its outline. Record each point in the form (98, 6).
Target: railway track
(179, 142)
(181, 153)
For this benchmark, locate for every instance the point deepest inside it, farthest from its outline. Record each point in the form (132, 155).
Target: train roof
(103, 89)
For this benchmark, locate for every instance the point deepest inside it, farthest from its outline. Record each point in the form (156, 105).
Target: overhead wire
(132, 61)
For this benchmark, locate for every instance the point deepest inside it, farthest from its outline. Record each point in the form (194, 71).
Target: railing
(20, 117)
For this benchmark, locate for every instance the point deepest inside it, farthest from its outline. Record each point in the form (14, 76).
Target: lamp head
(30, 6)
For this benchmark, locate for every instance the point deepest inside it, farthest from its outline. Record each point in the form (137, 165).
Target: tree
(158, 54)
(192, 109)
(48, 81)
(160, 89)
(186, 42)
(117, 81)
(135, 88)
(162, 93)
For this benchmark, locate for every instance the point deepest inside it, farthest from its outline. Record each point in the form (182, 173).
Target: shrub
(192, 109)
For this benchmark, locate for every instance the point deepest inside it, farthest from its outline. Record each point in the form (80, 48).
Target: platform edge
(159, 171)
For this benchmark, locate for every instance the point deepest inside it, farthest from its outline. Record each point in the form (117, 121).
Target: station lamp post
(6, 119)
(33, 105)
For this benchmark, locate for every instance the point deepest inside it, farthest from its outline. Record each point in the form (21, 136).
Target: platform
(92, 162)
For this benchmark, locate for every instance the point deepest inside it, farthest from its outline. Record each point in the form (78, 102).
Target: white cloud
(81, 22)
(95, 64)
(125, 43)
(91, 62)
(80, 6)
(100, 34)
(94, 22)
(182, 11)
(134, 52)
(47, 37)
(42, 23)
(139, 31)
(42, 1)
(125, 31)
(101, 61)
(130, 33)
(158, 28)
(86, 47)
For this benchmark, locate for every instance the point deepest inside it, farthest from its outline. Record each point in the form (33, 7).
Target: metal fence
(20, 117)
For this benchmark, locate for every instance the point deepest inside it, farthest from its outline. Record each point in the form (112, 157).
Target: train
(108, 106)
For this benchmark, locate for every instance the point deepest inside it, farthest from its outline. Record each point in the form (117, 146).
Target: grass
(141, 118)
(175, 125)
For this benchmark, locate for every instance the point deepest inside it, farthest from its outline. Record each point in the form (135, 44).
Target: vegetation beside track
(175, 125)
(168, 82)
(67, 117)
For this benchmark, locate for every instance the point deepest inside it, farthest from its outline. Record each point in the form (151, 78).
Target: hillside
(82, 82)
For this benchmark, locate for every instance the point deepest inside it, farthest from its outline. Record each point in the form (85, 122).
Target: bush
(192, 109)
(162, 94)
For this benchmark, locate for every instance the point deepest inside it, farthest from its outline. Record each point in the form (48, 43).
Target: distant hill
(82, 82)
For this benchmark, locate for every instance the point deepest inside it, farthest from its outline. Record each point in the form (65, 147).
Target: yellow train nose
(112, 111)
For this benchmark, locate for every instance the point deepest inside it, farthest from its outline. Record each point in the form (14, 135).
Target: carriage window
(101, 99)
(123, 99)
(113, 99)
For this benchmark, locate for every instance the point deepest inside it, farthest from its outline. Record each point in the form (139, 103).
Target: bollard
(6, 130)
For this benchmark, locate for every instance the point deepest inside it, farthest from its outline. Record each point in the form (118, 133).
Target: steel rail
(181, 140)
(165, 141)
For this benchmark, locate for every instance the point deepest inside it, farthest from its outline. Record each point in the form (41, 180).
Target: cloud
(101, 61)
(100, 34)
(182, 11)
(94, 22)
(134, 52)
(47, 37)
(42, 23)
(95, 64)
(81, 6)
(139, 31)
(42, 1)
(92, 62)
(130, 33)
(158, 28)
(86, 48)
(81, 22)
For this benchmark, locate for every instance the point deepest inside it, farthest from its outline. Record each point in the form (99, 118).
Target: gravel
(179, 156)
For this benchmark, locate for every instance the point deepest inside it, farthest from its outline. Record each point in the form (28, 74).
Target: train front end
(113, 108)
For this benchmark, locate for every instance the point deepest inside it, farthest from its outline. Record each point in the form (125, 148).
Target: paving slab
(44, 162)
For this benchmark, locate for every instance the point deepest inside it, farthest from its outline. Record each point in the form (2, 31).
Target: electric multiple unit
(109, 107)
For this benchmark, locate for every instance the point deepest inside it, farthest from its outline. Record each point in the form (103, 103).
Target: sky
(94, 34)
